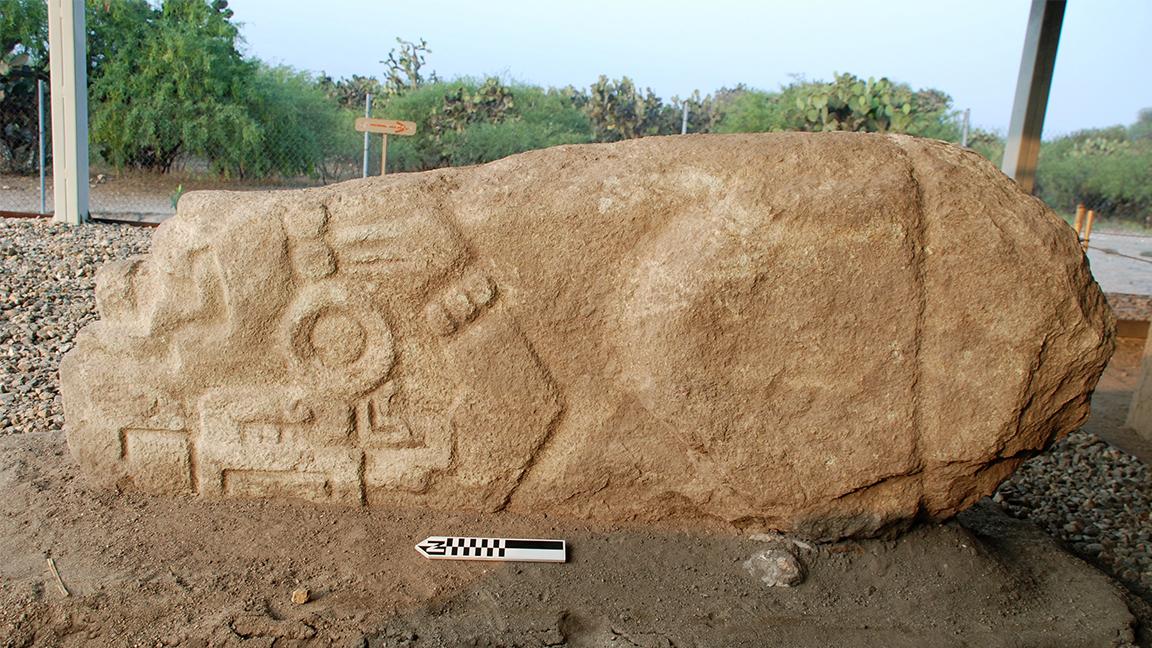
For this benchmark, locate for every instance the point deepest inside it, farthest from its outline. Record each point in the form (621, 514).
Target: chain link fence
(25, 141)
(304, 157)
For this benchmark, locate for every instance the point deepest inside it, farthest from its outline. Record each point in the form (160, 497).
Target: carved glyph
(325, 410)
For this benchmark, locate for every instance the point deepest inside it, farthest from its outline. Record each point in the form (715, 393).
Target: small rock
(776, 568)
(301, 596)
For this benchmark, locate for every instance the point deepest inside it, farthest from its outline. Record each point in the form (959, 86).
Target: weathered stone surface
(825, 334)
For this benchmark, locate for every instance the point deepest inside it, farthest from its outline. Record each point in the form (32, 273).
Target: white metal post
(68, 64)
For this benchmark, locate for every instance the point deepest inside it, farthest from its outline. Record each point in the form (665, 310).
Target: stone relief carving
(787, 331)
(331, 420)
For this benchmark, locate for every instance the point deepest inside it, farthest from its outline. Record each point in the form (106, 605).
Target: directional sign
(506, 549)
(385, 126)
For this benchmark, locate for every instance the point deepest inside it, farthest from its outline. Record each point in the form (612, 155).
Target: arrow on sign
(505, 549)
(385, 126)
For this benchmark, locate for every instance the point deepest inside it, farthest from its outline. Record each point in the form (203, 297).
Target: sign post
(385, 127)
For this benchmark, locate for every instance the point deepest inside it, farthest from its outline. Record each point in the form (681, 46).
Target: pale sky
(969, 49)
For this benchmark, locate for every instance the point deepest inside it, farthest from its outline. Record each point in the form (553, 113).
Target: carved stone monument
(829, 334)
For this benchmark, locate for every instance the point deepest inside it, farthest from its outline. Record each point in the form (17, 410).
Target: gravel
(46, 273)
(1093, 497)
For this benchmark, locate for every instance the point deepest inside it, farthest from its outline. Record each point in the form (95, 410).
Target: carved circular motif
(338, 344)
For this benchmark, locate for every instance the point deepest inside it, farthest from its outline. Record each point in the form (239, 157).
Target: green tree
(420, 151)
(24, 30)
(300, 131)
(166, 81)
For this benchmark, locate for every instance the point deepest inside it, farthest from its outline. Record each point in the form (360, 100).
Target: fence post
(367, 113)
(964, 128)
(40, 114)
(684, 123)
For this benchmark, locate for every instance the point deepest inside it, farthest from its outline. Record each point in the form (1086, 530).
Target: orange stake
(1079, 218)
(1088, 227)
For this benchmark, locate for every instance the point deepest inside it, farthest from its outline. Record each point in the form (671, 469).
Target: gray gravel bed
(1093, 497)
(46, 273)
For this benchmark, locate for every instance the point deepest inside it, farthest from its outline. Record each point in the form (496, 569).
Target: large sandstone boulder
(822, 333)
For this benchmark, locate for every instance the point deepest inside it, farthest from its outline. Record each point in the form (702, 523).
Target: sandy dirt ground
(151, 572)
(144, 571)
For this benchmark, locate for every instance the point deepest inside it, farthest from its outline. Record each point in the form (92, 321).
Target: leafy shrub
(299, 132)
(470, 122)
(754, 111)
(847, 103)
(1107, 169)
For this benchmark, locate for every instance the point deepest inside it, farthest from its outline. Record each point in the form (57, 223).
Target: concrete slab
(1122, 263)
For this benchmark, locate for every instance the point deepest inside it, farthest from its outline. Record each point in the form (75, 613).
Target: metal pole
(1022, 148)
(367, 113)
(964, 130)
(684, 122)
(40, 111)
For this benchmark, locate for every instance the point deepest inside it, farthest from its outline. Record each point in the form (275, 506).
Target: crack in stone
(919, 243)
